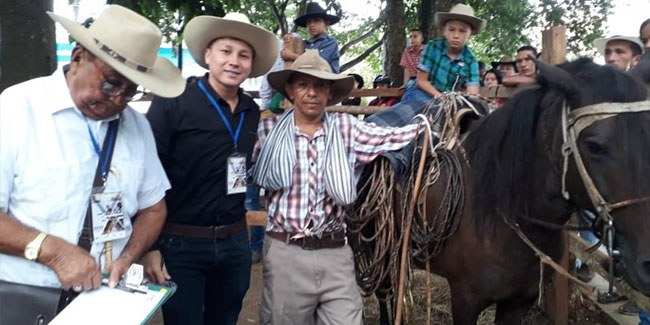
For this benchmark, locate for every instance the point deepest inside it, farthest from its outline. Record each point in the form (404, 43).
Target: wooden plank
(554, 45)
(596, 260)
(256, 218)
(557, 299)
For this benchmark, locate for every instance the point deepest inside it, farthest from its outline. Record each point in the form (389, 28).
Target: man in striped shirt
(305, 159)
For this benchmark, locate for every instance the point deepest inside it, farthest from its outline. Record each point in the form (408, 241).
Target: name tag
(236, 174)
(109, 220)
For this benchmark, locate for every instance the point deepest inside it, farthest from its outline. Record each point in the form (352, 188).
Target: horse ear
(558, 78)
(642, 69)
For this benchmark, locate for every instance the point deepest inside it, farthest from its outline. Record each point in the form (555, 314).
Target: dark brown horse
(516, 176)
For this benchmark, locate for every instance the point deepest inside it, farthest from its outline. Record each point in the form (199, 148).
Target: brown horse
(516, 176)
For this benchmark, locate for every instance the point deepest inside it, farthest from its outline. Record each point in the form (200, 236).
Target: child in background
(316, 20)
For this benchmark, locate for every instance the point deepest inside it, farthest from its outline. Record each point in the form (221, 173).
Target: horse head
(614, 148)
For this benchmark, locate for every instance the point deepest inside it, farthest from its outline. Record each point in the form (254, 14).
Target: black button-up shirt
(194, 145)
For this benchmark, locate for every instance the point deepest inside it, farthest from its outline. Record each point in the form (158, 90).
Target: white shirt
(47, 167)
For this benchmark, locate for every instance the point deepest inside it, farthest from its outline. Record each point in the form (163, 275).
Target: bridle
(573, 123)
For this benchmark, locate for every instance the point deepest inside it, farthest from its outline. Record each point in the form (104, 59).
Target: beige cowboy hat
(461, 12)
(601, 43)
(128, 43)
(505, 60)
(202, 30)
(311, 64)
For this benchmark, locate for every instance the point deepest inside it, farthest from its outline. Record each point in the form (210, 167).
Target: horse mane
(502, 147)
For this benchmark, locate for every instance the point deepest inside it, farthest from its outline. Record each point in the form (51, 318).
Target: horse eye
(595, 148)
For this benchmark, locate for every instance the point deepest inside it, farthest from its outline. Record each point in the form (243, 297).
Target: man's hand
(118, 268)
(287, 54)
(154, 267)
(73, 265)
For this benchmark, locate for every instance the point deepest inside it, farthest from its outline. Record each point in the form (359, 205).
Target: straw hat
(314, 10)
(505, 60)
(128, 43)
(461, 12)
(202, 30)
(601, 43)
(311, 64)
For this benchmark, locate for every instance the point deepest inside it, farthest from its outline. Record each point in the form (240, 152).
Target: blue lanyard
(235, 135)
(112, 127)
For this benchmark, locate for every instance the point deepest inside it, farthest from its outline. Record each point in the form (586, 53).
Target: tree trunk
(426, 14)
(28, 42)
(395, 40)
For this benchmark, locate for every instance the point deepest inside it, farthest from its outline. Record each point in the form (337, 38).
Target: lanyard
(103, 156)
(235, 135)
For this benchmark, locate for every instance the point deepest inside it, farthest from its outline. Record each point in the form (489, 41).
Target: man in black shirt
(205, 139)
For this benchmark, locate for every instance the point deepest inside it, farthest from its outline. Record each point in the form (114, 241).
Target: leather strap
(86, 237)
(328, 240)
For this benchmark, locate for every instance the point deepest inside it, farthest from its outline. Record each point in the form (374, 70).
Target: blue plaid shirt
(443, 72)
(328, 49)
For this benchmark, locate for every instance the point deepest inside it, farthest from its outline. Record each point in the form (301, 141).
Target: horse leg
(513, 310)
(465, 305)
(384, 318)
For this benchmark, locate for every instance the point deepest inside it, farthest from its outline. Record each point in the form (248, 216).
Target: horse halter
(573, 123)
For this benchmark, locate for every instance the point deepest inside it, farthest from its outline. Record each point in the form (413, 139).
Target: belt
(327, 240)
(212, 232)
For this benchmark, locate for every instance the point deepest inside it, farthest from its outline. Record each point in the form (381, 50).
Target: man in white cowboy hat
(305, 159)
(621, 51)
(447, 64)
(205, 139)
(57, 134)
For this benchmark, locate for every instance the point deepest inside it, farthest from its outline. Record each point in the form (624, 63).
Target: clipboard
(119, 305)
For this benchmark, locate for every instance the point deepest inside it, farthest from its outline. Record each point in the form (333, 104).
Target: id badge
(109, 220)
(236, 174)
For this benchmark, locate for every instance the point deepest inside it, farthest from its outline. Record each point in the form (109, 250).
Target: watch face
(31, 253)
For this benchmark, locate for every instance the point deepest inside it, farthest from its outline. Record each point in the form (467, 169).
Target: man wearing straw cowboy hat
(205, 139)
(305, 159)
(622, 52)
(57, 134)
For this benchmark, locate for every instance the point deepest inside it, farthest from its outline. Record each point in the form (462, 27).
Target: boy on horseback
(305, 159)
(447, 64)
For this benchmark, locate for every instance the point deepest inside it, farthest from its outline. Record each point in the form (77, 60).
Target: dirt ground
(583, 311)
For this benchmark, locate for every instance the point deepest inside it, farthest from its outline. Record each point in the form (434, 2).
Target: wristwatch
(33, 248)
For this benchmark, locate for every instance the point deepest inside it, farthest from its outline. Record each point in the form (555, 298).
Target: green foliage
(585, 21)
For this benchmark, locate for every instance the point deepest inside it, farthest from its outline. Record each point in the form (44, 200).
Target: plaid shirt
(305, 209)
(443, 71)
(410, 59)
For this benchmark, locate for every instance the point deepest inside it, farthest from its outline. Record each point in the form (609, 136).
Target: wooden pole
(554, 45)
(407, 232)
(557, 299)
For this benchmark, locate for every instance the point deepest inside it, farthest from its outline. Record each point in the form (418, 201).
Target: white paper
(109, 306)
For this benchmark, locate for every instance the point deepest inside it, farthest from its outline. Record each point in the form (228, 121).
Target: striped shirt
(306, 209)
(443, 72)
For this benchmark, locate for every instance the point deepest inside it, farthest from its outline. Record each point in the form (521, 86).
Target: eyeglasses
(112, 89)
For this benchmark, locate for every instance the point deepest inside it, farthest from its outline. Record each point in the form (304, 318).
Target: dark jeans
(253, 203)
(213, 276)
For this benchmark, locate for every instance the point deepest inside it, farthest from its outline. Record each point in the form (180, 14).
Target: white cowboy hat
(311, 64)
(202, 30)
(461, 12)
(128, 43)
(601, 43)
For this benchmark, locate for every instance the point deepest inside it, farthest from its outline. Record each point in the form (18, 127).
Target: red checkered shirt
(305, 209)
(410, 59)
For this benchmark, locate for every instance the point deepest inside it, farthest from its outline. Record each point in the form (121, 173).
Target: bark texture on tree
(395, 40)
(27, 41)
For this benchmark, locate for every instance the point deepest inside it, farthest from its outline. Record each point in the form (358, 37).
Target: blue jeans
(213, 276)
(252, 203)
(644, 318)
(414, 93)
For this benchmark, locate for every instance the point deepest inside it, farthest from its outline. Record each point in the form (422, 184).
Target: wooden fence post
(554, 45)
